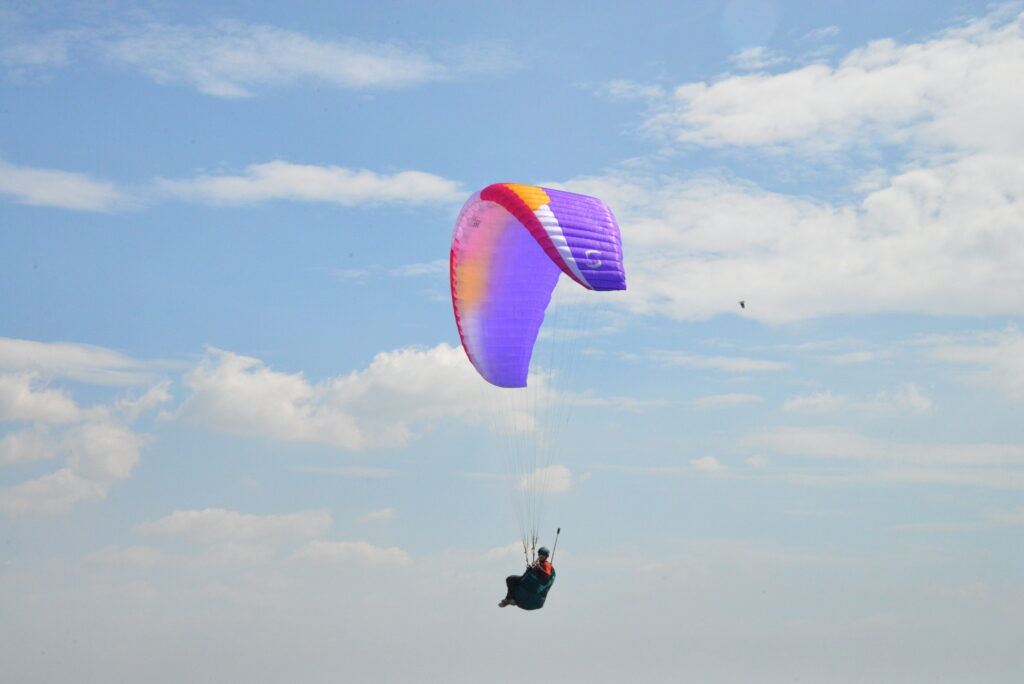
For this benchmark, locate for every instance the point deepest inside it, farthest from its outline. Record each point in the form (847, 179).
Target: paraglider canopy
(510, 244)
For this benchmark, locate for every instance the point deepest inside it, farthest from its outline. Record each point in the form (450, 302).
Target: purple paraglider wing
(511, 243)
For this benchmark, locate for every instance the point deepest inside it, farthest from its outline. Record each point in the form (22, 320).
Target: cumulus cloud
(957, 87)
(61, 189)
(281, 180)
(352, 552)
(25, 446)
(24, 396)
(381, 406)
(941, 115)
(232, 59)
(554, 479)
(97, 442)
(697, 246)
(53, 493)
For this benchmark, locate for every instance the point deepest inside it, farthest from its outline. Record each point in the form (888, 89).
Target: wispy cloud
(232, 59)
(707, 464)
(358, 552)
(729, 364)
(999, 354)
(61, 189)
(430, 268)
(81, 362)
(755, 58)
(554, 479)
(281, 180)
(218, 526)
(1011, 517)
(873, 461)
(726, 400)
(358, 472)
(377, 516)
(639, 470)
(907, 398)
(855, 357)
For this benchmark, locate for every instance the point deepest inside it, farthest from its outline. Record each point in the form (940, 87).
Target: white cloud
(82, 362)
(839, 444)
(358, 552)
(1011, 517)
(850, 358)
(757, 461)
(698, 246)
(97, 442)
(215, 526)
(435, 267)
(375, 516)
(53, 493)
(707, 464)
(103, 452)
(61, 189)
(50, 50)
(990, 479)
(380, 406)
(729, 364)
(1000, 354)
(943, 114)
(28, 445)
(625, 91)
(132, 556)
(756, 58)
(359, 472)
(726, 400)
(230, 59)
(638, 470)
(821, 33)
(24, 397)
(281, 180)
(907, 398)
(554, 479)
(957, 87)
(99, 453)
(874, 461)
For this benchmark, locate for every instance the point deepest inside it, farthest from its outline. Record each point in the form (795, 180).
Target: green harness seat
(533, 589)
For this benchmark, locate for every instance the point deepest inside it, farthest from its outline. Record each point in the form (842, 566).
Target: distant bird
(743, 304)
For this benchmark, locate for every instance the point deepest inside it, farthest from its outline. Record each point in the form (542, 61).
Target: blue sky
(239, 440)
